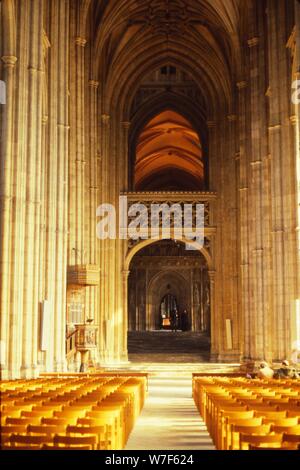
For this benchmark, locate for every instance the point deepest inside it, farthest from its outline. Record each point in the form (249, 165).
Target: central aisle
(170, 419)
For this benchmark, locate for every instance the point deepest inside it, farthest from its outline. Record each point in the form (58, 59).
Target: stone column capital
(79, 41)
(211, 124)
(258, 252)
(242, 84)
(269, 92)
(274, 127)
(94, 189)
(80, 162)
(9, 61)
(232, 117)
(252, 42)
(256, 163)
(93, 84)
(105, 118)
(126, 124)
(293, 119)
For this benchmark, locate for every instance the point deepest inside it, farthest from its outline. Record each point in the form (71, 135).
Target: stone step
(168, 341)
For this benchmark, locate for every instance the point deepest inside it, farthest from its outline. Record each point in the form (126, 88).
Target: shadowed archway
(166, 270)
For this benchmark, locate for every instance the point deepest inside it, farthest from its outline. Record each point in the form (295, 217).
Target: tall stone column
(295, 122)
(124, 152)
(258, 282)
(106, 336)
(122, 246)
(125, 276)
(216, 245)
(192, 300)
(92, 200)
(244, 221)
(64, 150)
(33, 190)
(224, 246)
(44, 359)
(231, 233)
(285, 268)
(80, 150)
(7, 336)
(213, 322)
(57, 181)
(93, 176)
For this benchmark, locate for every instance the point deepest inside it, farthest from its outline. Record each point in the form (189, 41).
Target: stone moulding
(83, 275)
(187, 196)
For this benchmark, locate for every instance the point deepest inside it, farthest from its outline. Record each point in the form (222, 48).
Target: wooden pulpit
(86, 340)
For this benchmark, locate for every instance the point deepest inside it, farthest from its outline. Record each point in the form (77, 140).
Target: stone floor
(169, 420)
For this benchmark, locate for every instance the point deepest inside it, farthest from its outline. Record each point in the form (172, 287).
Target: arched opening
(165, 276)
(169, 155)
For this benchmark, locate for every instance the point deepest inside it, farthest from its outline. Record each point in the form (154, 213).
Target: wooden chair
(251, 400)
(16, 439)
(48, 413)
(291, 438)
(251, 447)
(20, 447)
(22, 421)
(68, 441)
(270, 440)
(288, 422)
(238, 429)
(271, 415)
(215, 417)
(109, 419)
(56, 421)
(46, 429)
(73, 407)
(48, 407)
(70, 414)
(286, 429)
(73, 447)
(14, 429)
(220, 428)
(278, 401)
(18, 405)
(293, 413)
(99, 431)
(238, 422)
(59, 399)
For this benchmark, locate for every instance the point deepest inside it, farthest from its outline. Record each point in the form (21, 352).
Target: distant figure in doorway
(174, 319)
(185, 323)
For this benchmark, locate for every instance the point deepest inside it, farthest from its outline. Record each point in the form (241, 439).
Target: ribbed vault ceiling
(168, 149)
(133, 37)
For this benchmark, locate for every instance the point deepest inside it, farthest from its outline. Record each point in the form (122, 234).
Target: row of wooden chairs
(94, 412)
(245, 414)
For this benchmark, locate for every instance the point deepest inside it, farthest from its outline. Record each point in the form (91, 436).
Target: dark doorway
(167, 304)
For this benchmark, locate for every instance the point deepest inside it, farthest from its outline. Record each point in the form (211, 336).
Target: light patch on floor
(170, 419)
